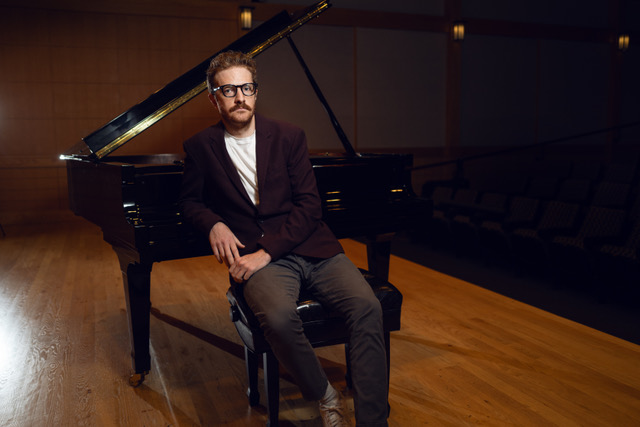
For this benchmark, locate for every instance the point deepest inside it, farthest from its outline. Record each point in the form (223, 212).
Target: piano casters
(137, 284)
(137, 379)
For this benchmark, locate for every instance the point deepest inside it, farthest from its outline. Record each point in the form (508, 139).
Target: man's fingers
(224, 243)
(235, 252)
(216, 253)
(239, 243)
(236, 273)
(228, 257)
(223, 254)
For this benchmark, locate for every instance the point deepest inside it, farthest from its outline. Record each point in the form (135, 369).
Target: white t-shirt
(243, 154)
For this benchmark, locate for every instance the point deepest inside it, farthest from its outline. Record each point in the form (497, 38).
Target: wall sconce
(623, 42)
(246, 15)
(458, 31)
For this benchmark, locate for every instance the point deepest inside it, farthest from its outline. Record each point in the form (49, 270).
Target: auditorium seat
(510, 183)
(618, 265)
(464, 226)
(493, 235)
(461, 203)
(530, 245)
(436, 230)
(441, 196)
(623, 167)
(572, 256)
(575, 191)
(583, 169)
(621, 172)
(558, 169)
(543, 187)
(552, 212)
(611, 194)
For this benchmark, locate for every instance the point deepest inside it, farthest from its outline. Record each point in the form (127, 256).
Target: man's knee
(373, 307)
(280, 321)
(366, 308)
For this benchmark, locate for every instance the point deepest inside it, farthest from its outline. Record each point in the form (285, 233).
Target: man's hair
(230, 59)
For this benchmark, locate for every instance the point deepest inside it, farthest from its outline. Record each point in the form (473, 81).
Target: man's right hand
(224, 243)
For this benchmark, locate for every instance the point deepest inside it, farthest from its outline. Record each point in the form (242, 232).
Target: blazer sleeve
(192, 198)
(305, 212)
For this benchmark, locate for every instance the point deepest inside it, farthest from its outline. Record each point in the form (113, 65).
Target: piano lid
(140, 117)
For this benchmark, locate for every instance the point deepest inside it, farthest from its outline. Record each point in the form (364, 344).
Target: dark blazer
(288, 217)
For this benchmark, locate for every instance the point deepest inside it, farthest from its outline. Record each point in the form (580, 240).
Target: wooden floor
(464, 356)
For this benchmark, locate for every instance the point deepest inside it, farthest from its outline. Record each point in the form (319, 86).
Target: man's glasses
(229, 91)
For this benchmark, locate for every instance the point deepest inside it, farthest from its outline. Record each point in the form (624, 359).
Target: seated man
(249, 185)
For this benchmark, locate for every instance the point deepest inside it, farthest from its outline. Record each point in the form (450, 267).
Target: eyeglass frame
(235, 89)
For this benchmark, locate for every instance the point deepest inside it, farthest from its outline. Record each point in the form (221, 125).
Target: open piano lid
(138, 118)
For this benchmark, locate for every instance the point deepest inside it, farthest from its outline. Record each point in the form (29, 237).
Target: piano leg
(378, 254)
(137, 287)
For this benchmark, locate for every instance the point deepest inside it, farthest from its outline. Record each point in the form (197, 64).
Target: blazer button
(262, 235)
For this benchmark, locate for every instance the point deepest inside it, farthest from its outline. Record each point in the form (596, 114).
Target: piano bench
(321, 327)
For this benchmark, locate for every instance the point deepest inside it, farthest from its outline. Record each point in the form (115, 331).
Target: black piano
(134, 198)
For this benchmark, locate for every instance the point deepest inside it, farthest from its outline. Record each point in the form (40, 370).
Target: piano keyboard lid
(140, 117)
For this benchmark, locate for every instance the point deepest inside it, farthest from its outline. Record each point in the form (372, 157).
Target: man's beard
(237, 121)
(243, 105)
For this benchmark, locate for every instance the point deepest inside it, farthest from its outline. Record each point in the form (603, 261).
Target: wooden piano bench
(322, 327)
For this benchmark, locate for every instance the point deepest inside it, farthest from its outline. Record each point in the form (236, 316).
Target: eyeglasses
(229, 91)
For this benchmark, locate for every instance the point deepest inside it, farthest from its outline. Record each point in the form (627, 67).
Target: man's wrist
(265, 253)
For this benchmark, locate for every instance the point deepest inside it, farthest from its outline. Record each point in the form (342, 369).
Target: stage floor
(464, 356)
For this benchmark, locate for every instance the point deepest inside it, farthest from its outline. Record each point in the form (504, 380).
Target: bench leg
(272, 387)
(387, 345)
(251, 365)
(347, 359)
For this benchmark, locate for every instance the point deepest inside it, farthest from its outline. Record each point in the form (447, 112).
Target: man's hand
(245, 266)
(224, 244)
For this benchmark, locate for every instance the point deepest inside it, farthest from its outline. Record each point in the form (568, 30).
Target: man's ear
(213, 100)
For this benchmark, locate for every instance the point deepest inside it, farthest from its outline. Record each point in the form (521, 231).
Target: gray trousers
(272, 293)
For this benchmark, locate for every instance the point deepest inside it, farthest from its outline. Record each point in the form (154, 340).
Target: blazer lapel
(219, 149)
(263, 147)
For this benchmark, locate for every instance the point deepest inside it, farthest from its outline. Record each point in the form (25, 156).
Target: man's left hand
(244, 267)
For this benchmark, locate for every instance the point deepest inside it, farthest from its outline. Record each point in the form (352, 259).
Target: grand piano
(134, 198)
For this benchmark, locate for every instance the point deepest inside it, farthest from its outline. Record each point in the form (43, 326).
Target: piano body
(134, 198)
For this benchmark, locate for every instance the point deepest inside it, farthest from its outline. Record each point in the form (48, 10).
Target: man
(249, 185)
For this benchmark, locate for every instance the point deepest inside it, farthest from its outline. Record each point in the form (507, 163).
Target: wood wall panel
(25, 99)
(33, 189)
(24, 27)
(66, 71)
(68, 67)
(25, 137)
(77, 65)
(23, 62)
(98, 30)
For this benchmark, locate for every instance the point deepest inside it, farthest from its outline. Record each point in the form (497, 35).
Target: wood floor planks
(517, 365)
(464, 355)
